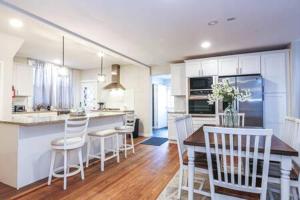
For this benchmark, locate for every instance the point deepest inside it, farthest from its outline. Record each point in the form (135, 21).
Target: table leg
(286, 167)
(191, 172)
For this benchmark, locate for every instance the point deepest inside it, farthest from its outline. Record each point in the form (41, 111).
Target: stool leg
(117, 147)
(80, 163)
(88, 152)
(65, 169)
(132, 144)
(102, 153)
(53, 154)
(125, 144)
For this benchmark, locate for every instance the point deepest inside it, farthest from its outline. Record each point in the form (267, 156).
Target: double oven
(198, 90)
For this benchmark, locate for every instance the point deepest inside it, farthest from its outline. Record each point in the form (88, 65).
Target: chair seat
(124, 129)
(69, 141)
(103, 133)
(200, 160)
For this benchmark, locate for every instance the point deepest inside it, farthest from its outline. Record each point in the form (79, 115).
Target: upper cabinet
(23, 79)
(228, 66)
(178, 80)
(274, 67)
(209, 67)
(249, 64)
(193, 69)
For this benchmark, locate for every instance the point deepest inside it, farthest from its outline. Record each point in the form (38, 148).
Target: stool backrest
(241, 119)
(239, 147)
(76, 128)
(129, 119)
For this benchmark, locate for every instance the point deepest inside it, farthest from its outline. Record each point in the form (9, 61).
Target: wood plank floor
(142, 175)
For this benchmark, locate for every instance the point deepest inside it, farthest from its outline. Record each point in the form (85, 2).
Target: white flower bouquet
(224, 92)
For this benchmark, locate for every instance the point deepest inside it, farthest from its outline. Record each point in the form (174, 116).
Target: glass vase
(230, 116)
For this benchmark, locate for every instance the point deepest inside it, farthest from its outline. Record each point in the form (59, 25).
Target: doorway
(161, 102)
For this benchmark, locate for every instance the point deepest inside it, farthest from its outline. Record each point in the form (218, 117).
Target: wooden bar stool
(74, 139)
(111, 134)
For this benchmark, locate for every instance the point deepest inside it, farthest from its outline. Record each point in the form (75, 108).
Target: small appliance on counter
(101, 105)
(19, 108)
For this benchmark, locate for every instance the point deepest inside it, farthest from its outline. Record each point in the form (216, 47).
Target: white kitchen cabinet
(249, 64)
(23, 79)
(274, 111)
(209, 67)
(171, 125)
(192, 69)
(228, 66)
(178, 80)
(274, 70)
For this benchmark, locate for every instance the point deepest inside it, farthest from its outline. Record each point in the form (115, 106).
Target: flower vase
(230, 116)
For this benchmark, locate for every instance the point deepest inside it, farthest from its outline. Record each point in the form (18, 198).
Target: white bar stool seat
(103, 135)
(74, 139)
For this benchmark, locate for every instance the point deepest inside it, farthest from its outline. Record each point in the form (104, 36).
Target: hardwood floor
(142, 175)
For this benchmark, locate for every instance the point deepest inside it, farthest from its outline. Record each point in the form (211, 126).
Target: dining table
(280, 152)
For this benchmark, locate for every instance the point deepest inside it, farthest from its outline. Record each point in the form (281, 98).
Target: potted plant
(224, 92)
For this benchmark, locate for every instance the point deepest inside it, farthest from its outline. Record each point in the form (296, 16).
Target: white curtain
(51, 89)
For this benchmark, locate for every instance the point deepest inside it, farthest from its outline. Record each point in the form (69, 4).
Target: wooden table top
(278, 147)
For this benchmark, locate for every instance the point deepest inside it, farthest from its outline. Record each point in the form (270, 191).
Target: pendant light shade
(101, 76)
(63, 71)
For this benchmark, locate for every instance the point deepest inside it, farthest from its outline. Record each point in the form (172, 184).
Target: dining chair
(74, 139)
(189, 124)
(126, 130)
(182, 126)
(231, 149)
(241, 119)
(291, 136)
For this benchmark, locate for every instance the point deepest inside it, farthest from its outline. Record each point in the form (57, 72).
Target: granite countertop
(45, 120)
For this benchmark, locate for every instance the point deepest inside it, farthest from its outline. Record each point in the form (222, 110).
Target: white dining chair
(125, 130)
(221, 143)
(104, 135)
(291, 136)
(241, 119)
(182, 125)
(189, 124)
(73, 139)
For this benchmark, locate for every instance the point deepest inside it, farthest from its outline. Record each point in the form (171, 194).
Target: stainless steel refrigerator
(253, 108)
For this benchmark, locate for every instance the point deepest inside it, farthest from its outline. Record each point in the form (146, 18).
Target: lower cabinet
(171, 125)
(199, 121)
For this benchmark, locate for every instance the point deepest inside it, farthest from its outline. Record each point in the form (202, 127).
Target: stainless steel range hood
(115, 79)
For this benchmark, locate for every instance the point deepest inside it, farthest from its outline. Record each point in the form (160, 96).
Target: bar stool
(125, 130)
(74, 139)
(103, 135)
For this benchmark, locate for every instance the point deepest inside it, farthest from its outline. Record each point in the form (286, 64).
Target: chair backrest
(129, 119)
(76, 128)
(189, 124)
(241, 119)
(290, 130)
(181, 132)
(239, 147)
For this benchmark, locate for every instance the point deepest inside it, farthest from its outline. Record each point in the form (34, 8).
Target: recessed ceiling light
(205, 44)
(231, 19)
(100, 54)
(16, 23)
(214, 22)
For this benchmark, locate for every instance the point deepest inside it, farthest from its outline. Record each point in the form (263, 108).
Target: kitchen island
(25, 144)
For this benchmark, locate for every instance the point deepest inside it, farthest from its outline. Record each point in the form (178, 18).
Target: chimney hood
(115, 79)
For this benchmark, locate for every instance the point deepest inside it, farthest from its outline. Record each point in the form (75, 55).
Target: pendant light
(101, 76)
(63, 71)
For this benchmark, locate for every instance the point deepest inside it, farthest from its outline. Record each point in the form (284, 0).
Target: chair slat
(231, 158)
(224, 157)
(217, 156)
(247, 160)
(239, 160)
(254, 169)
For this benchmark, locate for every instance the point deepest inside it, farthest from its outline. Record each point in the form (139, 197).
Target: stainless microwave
(200, 86)
(201, 107)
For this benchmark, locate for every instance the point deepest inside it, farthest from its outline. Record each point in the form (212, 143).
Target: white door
(228, 66)
(249, 64)
(192, 69)
(209, 67)
(160, 106)
(89, 95)
(274, 66)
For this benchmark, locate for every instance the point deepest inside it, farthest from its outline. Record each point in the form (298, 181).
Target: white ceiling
(45, 43)
(156, 32)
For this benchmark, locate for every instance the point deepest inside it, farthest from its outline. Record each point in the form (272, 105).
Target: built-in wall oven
(199, 89)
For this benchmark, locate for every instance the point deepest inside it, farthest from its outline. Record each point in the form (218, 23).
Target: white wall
(295, 79)
(9, 47)
(159, 70)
